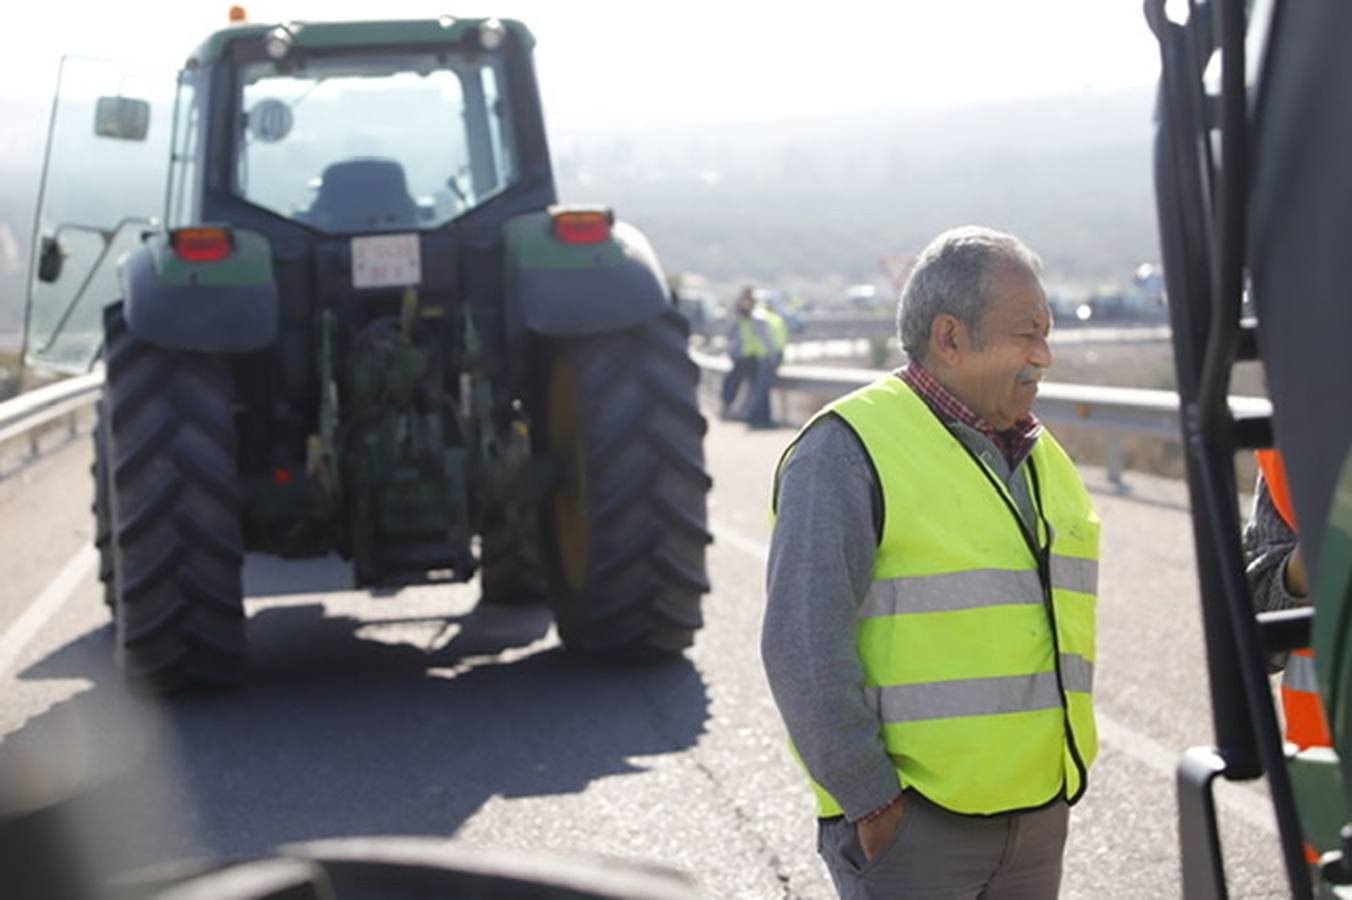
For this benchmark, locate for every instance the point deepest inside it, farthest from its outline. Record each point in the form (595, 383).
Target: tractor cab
(298, 131)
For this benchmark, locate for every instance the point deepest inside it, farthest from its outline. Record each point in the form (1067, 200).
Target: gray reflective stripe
(975, 588)
(968, 697)
(1300, 674)
(970, 589)
(1070, 573)
(980, 696)
(1077, 673)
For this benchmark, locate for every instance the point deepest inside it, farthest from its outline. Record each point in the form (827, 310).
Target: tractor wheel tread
(601, 450)
(632, 549)
(149, 577)
(216, 603)
(689, 465)
(167, 617)
(121, 353)
(203, 540)
(141, 450)
(683, 521)
(674, 401)
(682, 576)
(148, 513)
(177, 545)
(642, 440)
(676, 362)
(628, 491)
(207, 479)
(682, 610)
(103, 526)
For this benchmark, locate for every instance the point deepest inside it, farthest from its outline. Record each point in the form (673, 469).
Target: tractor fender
(221, 306)
(568, 290)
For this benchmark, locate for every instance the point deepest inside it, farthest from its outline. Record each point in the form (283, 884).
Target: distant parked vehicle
(866, 298)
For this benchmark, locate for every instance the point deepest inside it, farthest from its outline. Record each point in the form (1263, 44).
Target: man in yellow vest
(758, 412)
(749, 341)
(929, 631)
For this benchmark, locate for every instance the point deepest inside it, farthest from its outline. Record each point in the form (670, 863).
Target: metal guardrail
(1115, 410)
(813, 328)
(883, 326)
(26, 414)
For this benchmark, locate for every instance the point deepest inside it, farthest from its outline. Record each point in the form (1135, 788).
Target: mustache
(1030, 375)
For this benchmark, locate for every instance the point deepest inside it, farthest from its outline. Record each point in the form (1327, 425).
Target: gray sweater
(1268, 545)
(820, 568)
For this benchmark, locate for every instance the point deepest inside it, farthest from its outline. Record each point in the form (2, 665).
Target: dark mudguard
(204, 314)
(573, 290)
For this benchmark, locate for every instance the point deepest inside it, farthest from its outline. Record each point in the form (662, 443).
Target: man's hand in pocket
(876, 833)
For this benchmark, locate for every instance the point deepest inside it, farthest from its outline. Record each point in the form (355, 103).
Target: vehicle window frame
(466, 63)
(186, 146)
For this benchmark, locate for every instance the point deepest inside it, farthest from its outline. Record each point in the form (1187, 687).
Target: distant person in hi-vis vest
(929, 630)
(749, 341)
(758, 411)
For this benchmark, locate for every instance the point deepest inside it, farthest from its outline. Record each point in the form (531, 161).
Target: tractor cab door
(103, 184)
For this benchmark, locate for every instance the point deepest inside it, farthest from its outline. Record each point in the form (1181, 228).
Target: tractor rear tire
(175, 512)
(103, 520)
(627, 529)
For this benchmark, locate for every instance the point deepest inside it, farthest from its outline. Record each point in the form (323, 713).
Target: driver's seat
(363, 194)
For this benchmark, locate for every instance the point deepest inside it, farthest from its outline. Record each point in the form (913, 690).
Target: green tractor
(1254, 193)
(340, 311)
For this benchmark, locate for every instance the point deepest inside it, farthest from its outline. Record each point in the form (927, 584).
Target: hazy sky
(603, 60)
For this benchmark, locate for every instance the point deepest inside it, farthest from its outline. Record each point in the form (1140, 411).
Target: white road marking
(1253, 808)
(750, 546)
(22, 630)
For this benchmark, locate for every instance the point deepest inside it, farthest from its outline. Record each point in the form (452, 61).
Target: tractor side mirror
(122, 118)
(50, 260)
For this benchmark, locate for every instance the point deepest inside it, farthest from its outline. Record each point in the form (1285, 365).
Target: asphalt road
(413, 715)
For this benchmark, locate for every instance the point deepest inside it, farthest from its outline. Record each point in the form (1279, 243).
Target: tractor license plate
(386, 260)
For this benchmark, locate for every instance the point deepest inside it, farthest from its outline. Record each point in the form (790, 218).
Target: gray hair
(953, 275)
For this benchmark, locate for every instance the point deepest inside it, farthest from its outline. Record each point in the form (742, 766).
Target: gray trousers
(758, 411)
(940, 854)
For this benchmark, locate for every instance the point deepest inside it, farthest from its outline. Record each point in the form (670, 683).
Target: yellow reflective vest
(778, 328)
(752, 345)
(977, 636)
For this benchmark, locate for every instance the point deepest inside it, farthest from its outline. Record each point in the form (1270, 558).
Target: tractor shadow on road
(337, 732)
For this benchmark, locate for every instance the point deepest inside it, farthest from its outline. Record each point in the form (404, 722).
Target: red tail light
(588, 225)
(202, 244)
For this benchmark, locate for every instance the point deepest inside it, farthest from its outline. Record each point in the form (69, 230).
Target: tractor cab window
(373, 143)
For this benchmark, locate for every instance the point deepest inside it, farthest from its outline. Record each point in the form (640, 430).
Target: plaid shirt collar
(1014, 442)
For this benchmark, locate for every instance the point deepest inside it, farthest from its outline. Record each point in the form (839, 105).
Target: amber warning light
(201, 244)
(582, 226)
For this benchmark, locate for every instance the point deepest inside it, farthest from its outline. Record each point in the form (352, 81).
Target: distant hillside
(819, 201)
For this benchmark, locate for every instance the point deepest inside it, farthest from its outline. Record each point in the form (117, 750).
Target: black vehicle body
(1255, 197)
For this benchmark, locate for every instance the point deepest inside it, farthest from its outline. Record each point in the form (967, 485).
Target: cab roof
(413, 32)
